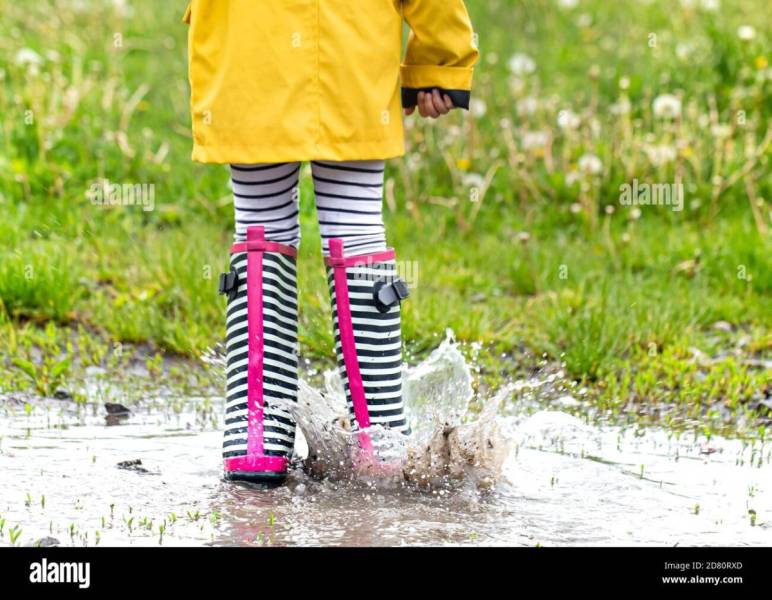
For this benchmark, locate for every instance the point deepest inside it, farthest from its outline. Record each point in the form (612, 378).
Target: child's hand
(431, 104)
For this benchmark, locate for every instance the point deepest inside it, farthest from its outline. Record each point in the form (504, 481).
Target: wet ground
(563, 482)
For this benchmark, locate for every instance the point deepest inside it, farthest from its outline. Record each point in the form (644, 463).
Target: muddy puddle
(509, 469)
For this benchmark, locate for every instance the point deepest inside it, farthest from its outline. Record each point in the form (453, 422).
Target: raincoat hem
(259, 153)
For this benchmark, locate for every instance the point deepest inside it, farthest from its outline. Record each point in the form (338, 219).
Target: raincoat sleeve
(441, 50)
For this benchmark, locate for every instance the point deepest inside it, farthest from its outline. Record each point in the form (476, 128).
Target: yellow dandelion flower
(464, 164)
(761, 62)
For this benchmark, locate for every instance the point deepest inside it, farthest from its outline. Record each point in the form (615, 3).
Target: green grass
(516, 246)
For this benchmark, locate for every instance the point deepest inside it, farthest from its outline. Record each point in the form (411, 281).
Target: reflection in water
(502, 472)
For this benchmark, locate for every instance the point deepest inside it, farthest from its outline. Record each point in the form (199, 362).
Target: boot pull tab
(229, 284)
(387, 295)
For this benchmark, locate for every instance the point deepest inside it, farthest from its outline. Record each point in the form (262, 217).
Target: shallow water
(548, 478)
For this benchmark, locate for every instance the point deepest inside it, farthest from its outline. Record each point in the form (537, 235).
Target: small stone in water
(46, 542)
(116, 413)
(132, 465)
(62, 395)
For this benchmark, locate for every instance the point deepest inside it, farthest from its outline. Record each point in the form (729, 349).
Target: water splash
(451, 443)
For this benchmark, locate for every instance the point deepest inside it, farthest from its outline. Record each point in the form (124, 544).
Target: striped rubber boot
(366, 295)
(262, 359)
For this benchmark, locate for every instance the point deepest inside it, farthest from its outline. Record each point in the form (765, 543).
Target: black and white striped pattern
(349, 198)
(280, 357)
(267, 195)
(348, 202)
(378, 345)
(349, 207)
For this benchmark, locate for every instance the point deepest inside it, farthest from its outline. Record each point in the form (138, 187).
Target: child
(278, 82)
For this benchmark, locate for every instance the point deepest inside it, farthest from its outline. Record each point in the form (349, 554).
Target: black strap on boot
(229, 284)
(387, 295)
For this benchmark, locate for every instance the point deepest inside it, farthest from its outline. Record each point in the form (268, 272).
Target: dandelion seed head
(590, 164)
(521, 64)
(568, 119)
(473, 180)
(478, 107)
(660, 154)
(533, 140)
(746, 33)
(721, 131)
(622, 107)
(667, 106)
(528, 105)
(684, 50)
(28, 57)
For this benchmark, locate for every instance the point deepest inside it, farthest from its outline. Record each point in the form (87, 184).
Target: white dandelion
(534, 140)
(746, 33)
(590, 164)
(721, 131)
(521, 64)
(622, 107)
(568, 119)
(473, 180)
(660, 154)
(527, 105)
(667, 106)
(684, 50)
(478, 107)
(28, 57)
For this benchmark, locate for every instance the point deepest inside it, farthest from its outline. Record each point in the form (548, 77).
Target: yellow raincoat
(291, 80)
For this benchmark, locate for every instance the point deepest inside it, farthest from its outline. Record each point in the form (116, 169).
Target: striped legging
(348, 202)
